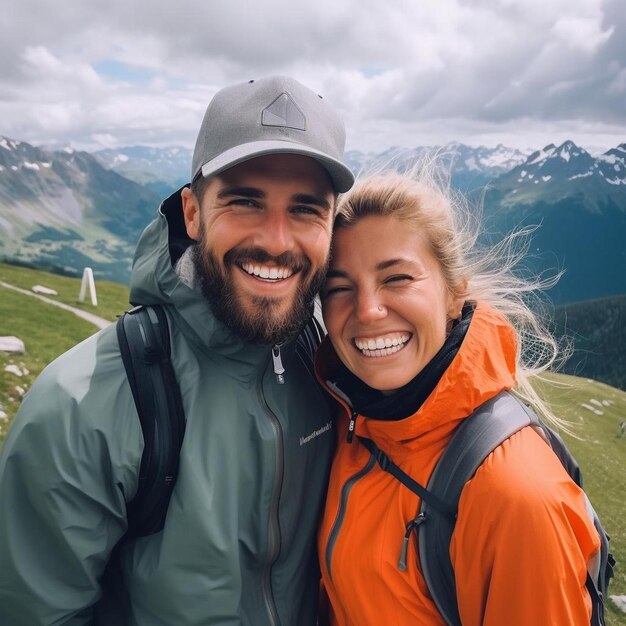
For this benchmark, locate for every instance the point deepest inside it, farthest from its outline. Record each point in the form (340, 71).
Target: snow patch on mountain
(583, 175)
(541, 155)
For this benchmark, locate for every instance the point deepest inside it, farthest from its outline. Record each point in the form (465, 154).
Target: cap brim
(341, 176)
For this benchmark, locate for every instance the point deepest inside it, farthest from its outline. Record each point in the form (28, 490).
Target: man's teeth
(382, 346)
(263, 271)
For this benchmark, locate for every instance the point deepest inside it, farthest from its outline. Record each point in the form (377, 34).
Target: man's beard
(264, 322)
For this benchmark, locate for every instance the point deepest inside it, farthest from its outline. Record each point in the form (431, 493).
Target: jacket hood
(484, 365)
(154, 280)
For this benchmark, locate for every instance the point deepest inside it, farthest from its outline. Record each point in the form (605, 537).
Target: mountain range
(63, 210)
(161, 169)
(67, 209)
(578, 203)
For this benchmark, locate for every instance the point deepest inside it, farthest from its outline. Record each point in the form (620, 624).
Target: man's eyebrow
(246, 192)
(305, 198)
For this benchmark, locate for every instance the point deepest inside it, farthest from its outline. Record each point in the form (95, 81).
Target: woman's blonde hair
(421, 196)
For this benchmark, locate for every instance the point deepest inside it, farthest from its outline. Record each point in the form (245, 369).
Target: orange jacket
(522, 539)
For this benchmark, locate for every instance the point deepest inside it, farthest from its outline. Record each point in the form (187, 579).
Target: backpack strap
(390, 467)
(309, 341)
(472, 442)
(144, 340)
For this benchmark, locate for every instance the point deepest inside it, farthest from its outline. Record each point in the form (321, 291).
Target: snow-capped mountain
(167, 169)
(65, 209)
(557, 172)
(62, 209)
(579, 203)
(470, 168)
(162, 169)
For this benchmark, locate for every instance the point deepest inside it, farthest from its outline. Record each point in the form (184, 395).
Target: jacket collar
(484, 365)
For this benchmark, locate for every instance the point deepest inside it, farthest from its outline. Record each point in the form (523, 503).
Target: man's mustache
(295, 262)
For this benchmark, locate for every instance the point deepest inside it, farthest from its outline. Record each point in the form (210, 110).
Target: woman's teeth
(382, 346)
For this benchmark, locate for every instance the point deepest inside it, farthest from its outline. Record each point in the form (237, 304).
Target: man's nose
(275, 233)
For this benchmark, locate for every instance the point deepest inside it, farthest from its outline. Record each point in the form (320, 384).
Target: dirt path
(100, 322)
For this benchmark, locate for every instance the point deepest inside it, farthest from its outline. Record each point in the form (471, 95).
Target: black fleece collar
(408, 399)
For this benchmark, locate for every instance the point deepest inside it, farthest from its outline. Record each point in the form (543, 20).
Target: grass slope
(601, 454)
(48, 331)
(112, 297)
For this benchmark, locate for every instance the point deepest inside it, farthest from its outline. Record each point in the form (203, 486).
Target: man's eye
(245, 202)
(305, 209)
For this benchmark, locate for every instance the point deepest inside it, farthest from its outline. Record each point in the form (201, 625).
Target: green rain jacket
(238, 545)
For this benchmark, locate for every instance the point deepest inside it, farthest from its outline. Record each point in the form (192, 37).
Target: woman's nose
(370, 309)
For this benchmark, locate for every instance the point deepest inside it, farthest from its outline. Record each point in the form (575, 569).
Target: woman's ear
(457, 300)
(191, 213)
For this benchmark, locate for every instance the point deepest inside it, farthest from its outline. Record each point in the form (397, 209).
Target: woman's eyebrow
(383, 265)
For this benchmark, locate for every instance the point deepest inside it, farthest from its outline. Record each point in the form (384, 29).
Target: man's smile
(266, 272)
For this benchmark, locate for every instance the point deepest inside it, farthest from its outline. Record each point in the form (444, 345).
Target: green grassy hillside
(46, 330)
(595, 410)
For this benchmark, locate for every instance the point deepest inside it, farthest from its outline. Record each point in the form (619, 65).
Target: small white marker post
(88, 279)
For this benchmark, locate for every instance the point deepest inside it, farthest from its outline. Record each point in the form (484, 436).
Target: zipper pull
(410, 527)
(352, 425)
(279, 370)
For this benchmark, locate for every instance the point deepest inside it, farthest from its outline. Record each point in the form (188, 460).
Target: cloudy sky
(403, 72)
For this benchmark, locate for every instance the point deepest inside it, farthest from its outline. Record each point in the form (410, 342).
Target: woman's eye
(329, 291)
(398, 278)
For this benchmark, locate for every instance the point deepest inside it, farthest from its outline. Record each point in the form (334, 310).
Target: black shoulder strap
(390, 467)
(309, 340)
(473, 441)
(144, 340)
(311, 336)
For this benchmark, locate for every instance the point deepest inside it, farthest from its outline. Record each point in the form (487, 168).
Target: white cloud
(399, 72)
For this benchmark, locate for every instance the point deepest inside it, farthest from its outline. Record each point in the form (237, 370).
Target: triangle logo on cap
(284, 112)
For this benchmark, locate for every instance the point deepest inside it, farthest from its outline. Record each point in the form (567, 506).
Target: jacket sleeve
(63, 476)
(523, 541)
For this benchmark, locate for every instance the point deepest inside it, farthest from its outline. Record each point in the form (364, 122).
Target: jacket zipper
(273, 528)
(352, 426)
(279, 370)
(343, 399)
(341, 512)
(413, 525)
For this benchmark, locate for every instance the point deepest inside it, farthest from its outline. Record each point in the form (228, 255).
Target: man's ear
(191, 213)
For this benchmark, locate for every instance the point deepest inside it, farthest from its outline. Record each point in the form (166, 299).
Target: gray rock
(46, 291)
(620, 601)
(12, 344)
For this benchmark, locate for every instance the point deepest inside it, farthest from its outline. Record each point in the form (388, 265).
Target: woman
(421, 333)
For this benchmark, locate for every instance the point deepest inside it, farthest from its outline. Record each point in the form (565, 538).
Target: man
(236, 261)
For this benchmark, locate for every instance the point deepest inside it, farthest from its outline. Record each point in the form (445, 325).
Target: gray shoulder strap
(478, 435)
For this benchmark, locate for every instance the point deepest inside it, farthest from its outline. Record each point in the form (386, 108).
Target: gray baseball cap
(271, 115)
